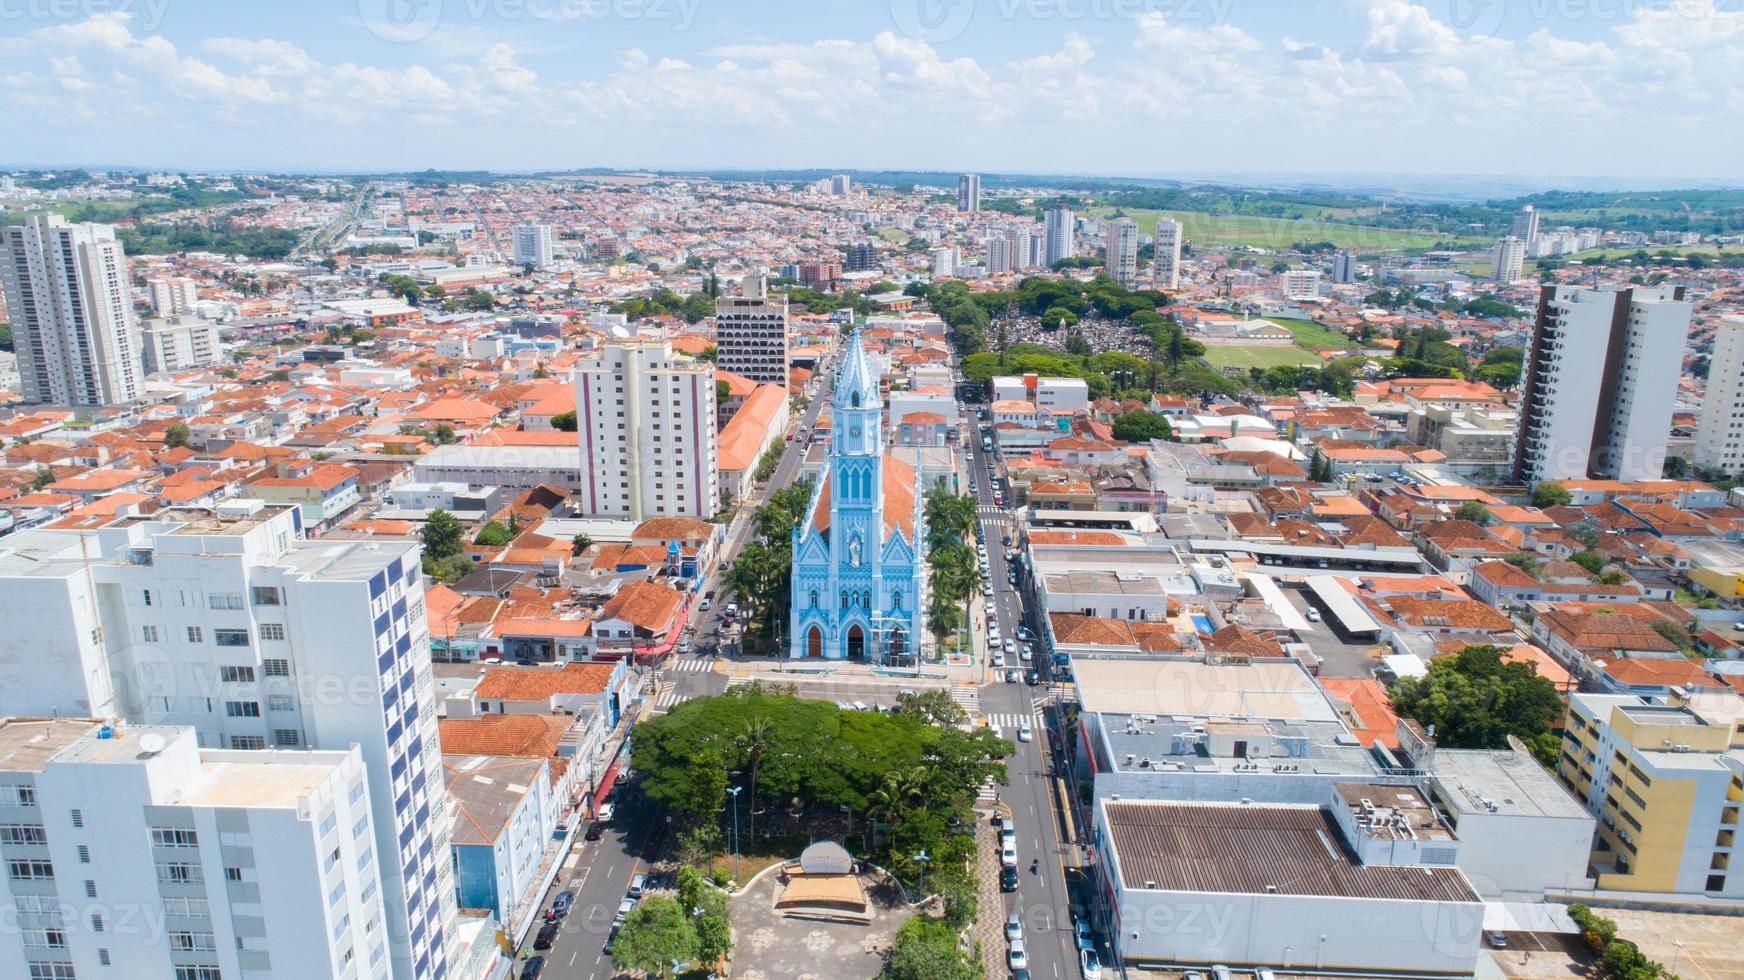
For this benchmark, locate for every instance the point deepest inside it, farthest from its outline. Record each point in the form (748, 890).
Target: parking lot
(1339, 657)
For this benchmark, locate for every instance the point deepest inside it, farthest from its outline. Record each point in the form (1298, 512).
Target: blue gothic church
(858, 574)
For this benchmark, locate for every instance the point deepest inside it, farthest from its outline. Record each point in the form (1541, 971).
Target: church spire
(856, 384)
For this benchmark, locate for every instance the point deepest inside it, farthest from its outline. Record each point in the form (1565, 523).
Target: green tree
(1550, 495)
(1142, 426)
(443, 434)
(1476, 700)
(563, 421)
(176, 435)
(1589, 559)
(442, 535)
(1676, 468)
(492, 535)
(927, 949)
(1473, 511)
(580, 543)
(655, 935)
(708, 354)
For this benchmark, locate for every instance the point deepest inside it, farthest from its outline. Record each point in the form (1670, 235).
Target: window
(96, 922)
(173, 837)
(196, 635)
(103, 956)
(230, 638)
(22, 833)
(272, 631)
(147, 596)
(42, 970)
(90, 889)
(148, 634)
(84, 854)
(276, 668)
(29, 870)
(1716, 883)
(224, 600)
(280, 702)
(814, 599)
(177, 872)
(236, 675)
(184, 941)
(265, 595)
(232, 874)
(44, 938)
(286, 736)
(77, 816)
(251, 743)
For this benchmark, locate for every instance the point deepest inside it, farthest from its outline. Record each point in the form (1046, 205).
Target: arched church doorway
(814, 642)
(856, 643)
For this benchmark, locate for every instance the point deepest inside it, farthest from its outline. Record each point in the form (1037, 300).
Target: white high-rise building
(1297, 284)
(1343, 266)
(132, 852)
(1510, 259)
(1720, 430)
(1599, 383)
(229, 623)
(1023, 248)
(999, 260)
(1525, 224)
(1058, 229)
(944, 261)
(177, 343)
(69, 303)
(645, 420)
(1121, 250)
(172, 295)
(841, 185)
(969, 193)
(1166, 258)
(751, 333)
(533, 246)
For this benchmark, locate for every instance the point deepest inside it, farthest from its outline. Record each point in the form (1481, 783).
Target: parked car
(531, 969)
(1497, 938)
(1018, 956)
(1008, 878)
(1089, 965)
(1014, 927)
(625, 907)
(1031, 678)
(595, 830)
(562, 902)
(638, 885)
(607, 810)
(1008, 855)
(1313, 615)
(547, 935)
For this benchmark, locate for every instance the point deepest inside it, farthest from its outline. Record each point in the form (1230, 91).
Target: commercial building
(71, 310)
(172, 295)
(1121, 248)
(178, 342)
(645, 423)
(1664, 779)
(1061, 395)
(508, 814)
(1720, 429)
(1509, 261)
(751, 333)
(969, 193)
(1166, 254)
(132, 852)
(229, 623)
(1058, 231)
(533, 246)
(1599, 382)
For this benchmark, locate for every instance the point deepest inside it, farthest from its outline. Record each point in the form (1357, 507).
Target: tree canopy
(1475, 700)
(1141, 426)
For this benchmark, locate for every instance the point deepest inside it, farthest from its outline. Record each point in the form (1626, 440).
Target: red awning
(605, 785)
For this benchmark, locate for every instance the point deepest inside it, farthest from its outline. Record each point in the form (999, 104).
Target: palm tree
(753, 739)
(944, 616)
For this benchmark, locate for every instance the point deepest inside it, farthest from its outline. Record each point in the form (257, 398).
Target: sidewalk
(989, 925)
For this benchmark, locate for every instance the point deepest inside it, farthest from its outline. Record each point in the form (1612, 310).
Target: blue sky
(1627, 88)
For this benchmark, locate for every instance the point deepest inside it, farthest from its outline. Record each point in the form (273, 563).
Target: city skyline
(1376, 86)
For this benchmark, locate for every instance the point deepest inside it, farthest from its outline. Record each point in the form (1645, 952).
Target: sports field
(1260, 357)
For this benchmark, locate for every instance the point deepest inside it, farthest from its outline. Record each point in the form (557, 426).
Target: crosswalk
(968, 697)
(693, 665)
(989, 793)
(667, 697)
(991, 514)
(1009, 723)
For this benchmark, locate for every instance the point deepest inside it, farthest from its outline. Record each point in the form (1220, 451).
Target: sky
(1624, 88)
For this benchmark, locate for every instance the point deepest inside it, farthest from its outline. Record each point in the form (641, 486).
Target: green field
(1260, 357)
(1312, 335)
(890, 234)
(1279, 233)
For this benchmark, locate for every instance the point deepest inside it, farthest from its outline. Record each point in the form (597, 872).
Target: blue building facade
(858, 573)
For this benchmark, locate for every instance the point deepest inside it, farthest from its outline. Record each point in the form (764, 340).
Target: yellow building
(1665, 778)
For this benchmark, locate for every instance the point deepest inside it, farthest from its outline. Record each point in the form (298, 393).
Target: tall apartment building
(969, 193)
(172, 295)
(1121, 250)
(132, 852)
(1510, 259)
(1720, 430)
(1661, 775)
(1058, 232)
(751, 333)
(1166, 257)
(69, 303)
(999, 259)
(841, 185)
(533, 246)
(179, 342)
(1598, 383)
(1525, 225)
(1343, 266)
(944, 261)
(645, 420)
(228, 623)
(860, 257)
(823, 276)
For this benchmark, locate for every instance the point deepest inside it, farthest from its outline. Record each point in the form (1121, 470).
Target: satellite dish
(151, 743)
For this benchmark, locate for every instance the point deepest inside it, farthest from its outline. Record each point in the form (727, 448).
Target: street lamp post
(922, 858)
(735, 791)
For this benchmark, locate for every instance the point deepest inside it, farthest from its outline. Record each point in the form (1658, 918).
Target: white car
(1010, 647)
(986, 587)
(1313, 615)
(1024, 732)
(1014, 928)
(998, 660)
(1024, 653)
(1089, 965)
(606, 811)
(1019, 958)
(1008, 855)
